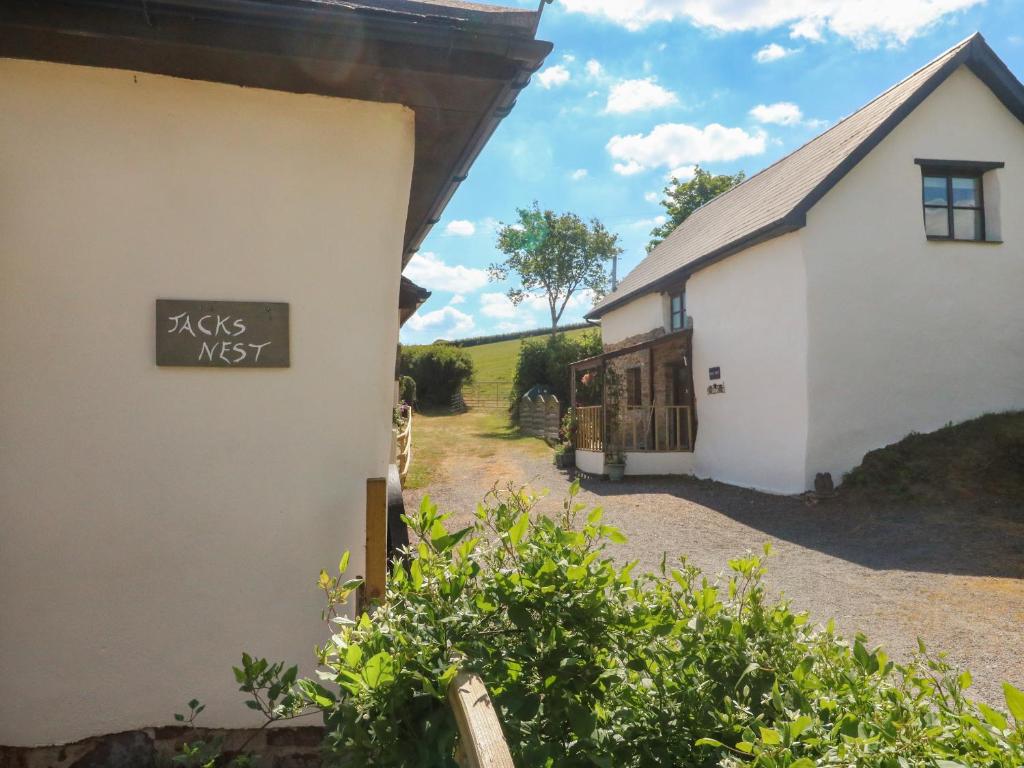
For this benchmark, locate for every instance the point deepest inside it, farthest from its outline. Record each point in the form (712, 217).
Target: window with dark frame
(953, 198)
(633, 393)
(677, 307)
(954, 207)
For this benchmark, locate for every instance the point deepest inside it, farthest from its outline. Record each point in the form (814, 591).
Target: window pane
(677, 303)
(966, 192)
(967, 224)
(935, 190)
(936, 222)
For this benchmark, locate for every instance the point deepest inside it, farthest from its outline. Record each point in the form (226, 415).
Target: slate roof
(776, 200)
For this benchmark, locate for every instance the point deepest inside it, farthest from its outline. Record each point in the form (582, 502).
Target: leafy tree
(683, 198)
(546, 361)
(554, 255)
(439, 371)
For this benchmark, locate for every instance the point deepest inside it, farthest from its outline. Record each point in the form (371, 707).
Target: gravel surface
(953, 576)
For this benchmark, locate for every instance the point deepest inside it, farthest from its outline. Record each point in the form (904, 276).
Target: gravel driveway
(953, 576)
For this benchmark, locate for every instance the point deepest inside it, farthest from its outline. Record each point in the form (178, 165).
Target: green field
(497, 361)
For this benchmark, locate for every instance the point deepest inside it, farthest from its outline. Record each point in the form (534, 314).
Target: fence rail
(487, 394)
(403, 445)
(590, 428)
(481, 741)
(540, 416)
(657, 428)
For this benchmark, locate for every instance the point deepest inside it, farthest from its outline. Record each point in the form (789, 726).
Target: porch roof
(596, 360)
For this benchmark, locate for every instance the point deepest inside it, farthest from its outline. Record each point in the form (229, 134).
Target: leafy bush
(546, 361)
(439, 371)
(407, 389)
(589, 665)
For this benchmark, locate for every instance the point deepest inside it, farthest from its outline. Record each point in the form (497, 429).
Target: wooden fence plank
(481, 742)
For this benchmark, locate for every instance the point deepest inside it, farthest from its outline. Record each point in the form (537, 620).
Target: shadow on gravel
(971, 538)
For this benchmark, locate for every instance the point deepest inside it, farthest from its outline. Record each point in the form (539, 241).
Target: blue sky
(636, 89)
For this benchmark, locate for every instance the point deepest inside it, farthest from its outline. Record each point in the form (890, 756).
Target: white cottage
(167, 506)
(865, 286)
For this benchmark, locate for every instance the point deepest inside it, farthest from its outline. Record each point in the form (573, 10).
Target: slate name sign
(714, 373)
(222, 334)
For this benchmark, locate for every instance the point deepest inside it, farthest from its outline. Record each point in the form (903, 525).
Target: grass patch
(982, 457)
(440, 436)
(497, 361)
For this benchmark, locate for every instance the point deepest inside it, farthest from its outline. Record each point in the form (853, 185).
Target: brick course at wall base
(154, 747)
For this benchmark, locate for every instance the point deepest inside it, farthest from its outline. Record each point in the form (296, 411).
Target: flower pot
(615, 472)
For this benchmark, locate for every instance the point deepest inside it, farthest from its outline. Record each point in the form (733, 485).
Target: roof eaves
(783, 226)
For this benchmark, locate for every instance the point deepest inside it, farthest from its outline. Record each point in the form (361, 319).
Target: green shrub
(407, 389)
(439, 371)
(546, 361)
(589, 665)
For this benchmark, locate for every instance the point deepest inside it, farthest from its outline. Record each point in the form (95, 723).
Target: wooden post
(481, 742)
(376, 537)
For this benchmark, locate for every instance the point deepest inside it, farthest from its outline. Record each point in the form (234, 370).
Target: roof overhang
(459, 66)
(410, 298)
(674, 279)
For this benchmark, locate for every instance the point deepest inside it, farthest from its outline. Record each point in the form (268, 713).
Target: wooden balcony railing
(590, 428)
(657, 428)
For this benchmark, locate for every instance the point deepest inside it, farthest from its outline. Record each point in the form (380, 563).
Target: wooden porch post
(572, 386)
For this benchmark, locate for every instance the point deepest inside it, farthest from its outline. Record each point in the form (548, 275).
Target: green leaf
(706, 742)
(517, 531)
(575, 573)
(595, 516)
(1014, 702)
(994, 717)
(770, 736)
(803, 762)
(343, 565)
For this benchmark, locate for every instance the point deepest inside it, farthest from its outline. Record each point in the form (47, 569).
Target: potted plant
(615, 465)
(565, 456)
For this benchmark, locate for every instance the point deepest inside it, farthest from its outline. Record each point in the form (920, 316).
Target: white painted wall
(907, 334)
(159, 521)
(749, 319)
(591, 462)
(664, 463)
(642, 315)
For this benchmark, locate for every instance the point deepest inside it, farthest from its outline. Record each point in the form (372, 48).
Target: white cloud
(780, 113)
(682, 173)
(655, 221)
(552, 77)
(628, 169)
(433, 274)
(784, 113)
(594, 68)
(866, 22)
(773, 52)
(568, 58)
(674, 145)
(460, 228)
(653, 197)
(579, 174)
(638, 95)
(497, 305)
(458, 298)
(448, 321)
